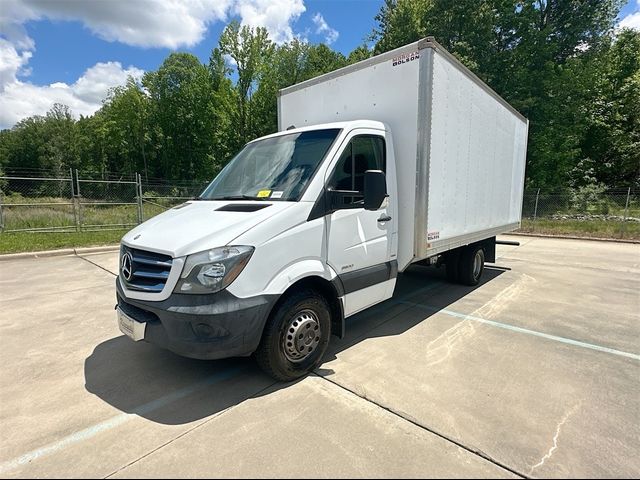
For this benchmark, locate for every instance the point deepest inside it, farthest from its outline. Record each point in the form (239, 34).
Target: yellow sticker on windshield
(264, 193)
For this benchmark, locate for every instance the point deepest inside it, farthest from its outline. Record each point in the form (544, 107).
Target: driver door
(359, 240)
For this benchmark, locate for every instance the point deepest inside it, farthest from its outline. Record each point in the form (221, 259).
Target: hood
(200, 225)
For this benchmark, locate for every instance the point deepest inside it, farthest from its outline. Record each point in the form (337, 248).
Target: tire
(286, 358)
(471, 265)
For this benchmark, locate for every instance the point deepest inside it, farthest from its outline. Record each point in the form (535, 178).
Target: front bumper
(207, 327)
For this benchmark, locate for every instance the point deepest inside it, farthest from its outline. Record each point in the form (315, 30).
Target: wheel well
(328, 291)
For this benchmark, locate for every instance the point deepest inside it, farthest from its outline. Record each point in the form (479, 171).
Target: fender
(308, 267)
(314, 268)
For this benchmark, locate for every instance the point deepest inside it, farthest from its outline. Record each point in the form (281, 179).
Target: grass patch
(35, 241)
(60, 214)
(109, 222)
(581, 228)
(64, 216)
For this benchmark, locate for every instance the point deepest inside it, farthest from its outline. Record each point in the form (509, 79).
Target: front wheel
(295, 337)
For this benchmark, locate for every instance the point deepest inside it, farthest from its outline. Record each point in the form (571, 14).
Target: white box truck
(405, 157)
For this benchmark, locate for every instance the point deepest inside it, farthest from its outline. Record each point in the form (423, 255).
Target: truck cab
(295, 234)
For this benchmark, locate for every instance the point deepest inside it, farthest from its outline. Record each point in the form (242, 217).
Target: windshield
(277, 168)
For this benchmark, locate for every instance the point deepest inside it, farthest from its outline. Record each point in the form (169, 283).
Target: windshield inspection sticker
(264, 194)
(277, 194)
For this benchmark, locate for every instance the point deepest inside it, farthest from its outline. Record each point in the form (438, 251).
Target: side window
(364, 152)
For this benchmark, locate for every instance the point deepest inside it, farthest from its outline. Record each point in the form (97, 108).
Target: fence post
(78, 201)
(535, 211)
(1, 216)
(626, 211)
(139, 196)
(73, 201)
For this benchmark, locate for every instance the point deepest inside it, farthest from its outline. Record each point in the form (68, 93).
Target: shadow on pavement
(141, 379)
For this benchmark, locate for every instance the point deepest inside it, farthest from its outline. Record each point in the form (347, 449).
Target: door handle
(384, 218)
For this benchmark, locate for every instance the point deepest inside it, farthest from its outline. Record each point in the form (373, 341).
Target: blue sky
(74, 51)
(352, 19)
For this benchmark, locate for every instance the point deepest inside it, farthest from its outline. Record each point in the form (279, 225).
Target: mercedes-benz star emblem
(127, 266)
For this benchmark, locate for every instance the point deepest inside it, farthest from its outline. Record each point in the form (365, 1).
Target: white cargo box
(460, 148)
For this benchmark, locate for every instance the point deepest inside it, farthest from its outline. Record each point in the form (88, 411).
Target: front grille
(149, 270)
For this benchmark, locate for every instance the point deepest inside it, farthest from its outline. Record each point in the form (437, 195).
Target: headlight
(213, 270)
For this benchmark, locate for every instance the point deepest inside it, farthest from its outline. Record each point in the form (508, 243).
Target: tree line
(559, 62)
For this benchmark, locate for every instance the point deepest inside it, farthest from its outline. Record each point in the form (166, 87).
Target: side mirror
(375, 189)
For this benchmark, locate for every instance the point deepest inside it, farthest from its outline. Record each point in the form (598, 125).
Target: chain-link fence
(75, 202)
(79, 202)
(585, 212)
(157, 196)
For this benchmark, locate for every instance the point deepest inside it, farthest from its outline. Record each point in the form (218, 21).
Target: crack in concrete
(408, 418)
(96, 265)
(554, 447)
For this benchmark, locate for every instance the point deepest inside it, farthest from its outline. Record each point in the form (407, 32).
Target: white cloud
(330, 34)
(275, 15)
(12, 16)
(150, 23)
(12, 63)
(20, 99)
(143, 23)
(632, 20)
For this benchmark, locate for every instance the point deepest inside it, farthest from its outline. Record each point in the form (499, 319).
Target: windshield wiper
(235, 197)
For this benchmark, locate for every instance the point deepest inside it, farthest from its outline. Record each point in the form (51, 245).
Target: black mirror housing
(375, 189)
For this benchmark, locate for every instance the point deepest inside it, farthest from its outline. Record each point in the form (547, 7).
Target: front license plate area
(130, 327)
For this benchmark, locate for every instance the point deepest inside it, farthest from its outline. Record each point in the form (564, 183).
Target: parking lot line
(506, 326)
(117, 420)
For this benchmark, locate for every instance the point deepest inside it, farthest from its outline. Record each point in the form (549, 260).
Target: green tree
(182, 111)
(226, 138)
(42, 142)
(532, 52)
(249, 49)
(23, 146)
(611, 144)
(284, 67)
(60, 152)
(321, 59)
(124, 129)
(359, 54)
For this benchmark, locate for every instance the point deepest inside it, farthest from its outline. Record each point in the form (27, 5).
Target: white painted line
(513, 328)
(116, 421)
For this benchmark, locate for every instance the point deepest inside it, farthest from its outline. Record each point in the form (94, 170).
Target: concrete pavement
(536, 372)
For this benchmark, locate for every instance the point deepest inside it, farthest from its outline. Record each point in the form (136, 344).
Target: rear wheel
(471, 265)
(296, 336)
